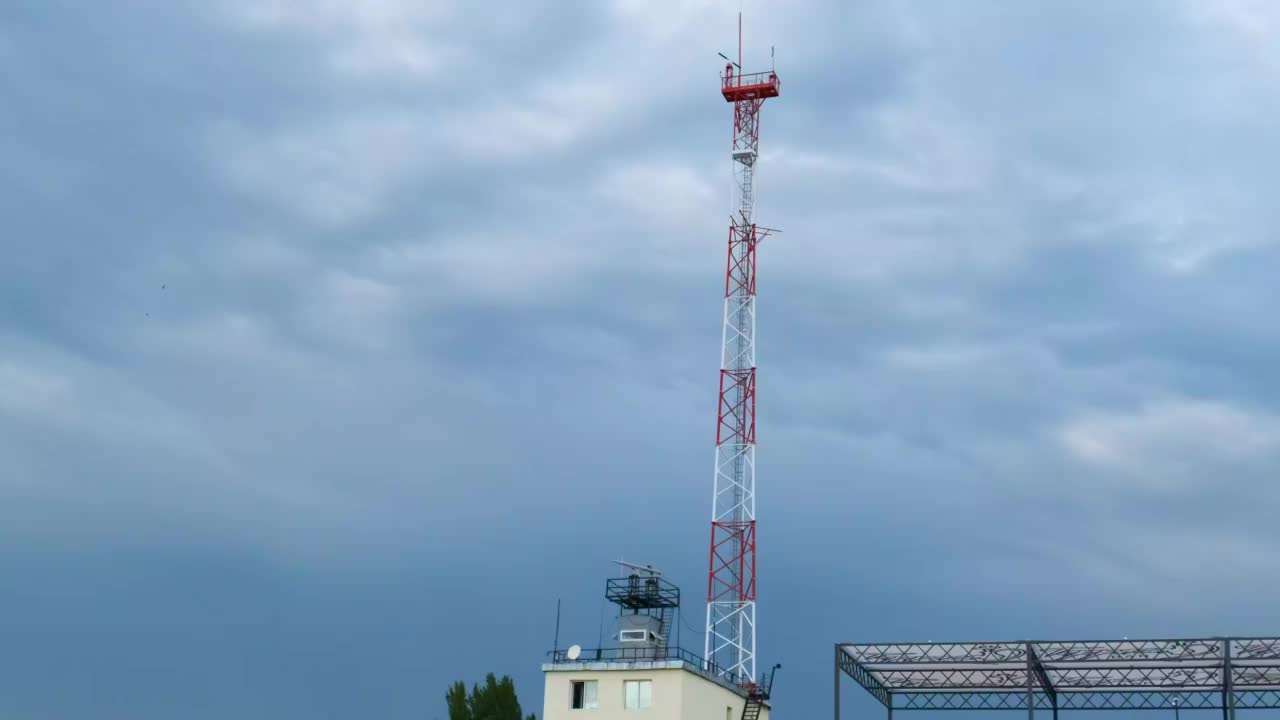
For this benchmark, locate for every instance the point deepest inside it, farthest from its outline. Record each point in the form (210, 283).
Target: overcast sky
(339, 339)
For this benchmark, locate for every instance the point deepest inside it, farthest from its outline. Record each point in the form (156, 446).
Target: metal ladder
(757, 693)
(666, 616)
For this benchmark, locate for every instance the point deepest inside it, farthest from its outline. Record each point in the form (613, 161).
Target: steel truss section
(1192, 674)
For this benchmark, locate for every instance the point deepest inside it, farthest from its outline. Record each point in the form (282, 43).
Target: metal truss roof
(1196, 673)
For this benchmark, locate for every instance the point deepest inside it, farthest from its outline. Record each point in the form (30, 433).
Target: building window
(633, 635)
(584, 695)
(638, 694)
(728, 712)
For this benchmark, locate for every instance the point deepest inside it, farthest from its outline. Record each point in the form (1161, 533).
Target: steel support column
(1042, 677)
(1228, 684)
(836, 665)
(1031, 685)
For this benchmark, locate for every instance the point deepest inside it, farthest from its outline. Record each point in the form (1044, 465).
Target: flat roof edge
(621, 666)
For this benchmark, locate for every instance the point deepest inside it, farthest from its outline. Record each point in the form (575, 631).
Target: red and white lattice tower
(731, 585)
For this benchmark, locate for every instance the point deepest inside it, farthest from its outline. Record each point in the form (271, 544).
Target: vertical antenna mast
(730, 649)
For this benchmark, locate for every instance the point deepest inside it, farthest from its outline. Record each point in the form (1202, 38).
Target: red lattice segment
(733, 562)
(737, 424)
(740, 265)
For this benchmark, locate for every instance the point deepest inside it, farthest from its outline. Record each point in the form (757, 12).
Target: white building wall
(678, 693)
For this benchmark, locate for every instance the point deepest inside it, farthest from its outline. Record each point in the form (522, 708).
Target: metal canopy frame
(1192, 674)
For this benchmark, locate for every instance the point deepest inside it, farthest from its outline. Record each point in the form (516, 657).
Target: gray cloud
(324, 326)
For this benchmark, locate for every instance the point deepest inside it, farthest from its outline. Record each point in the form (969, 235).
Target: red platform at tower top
(755, 86)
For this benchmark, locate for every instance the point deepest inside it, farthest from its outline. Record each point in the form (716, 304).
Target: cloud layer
(338, 340)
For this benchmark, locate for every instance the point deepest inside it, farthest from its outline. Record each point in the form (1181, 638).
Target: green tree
(459, 708)
(495, 700)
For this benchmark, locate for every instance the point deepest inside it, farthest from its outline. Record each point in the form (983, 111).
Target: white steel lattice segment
(728, 623)
(739, 351)
(734, 487)
(731, 584)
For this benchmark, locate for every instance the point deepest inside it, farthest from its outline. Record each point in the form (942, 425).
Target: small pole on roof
(556, 647)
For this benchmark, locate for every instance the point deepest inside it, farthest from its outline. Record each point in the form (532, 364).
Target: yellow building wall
(557, 699)
(706, 700)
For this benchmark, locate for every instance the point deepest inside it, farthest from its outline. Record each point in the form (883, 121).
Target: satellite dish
(573, 652)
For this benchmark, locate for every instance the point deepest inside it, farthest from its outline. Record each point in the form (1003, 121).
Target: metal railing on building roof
(652, 654)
